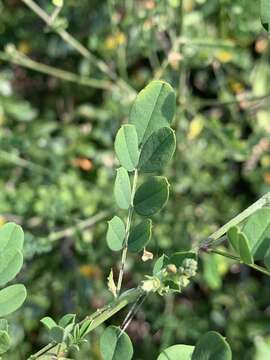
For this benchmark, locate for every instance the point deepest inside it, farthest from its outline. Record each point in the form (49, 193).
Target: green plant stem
(234, 257)
(127, 231)
(75, 44)
(20, 59)
(212, 239)
(43, 351)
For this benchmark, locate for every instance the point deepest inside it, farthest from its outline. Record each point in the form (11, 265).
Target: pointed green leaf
(140, 236)
(267, 259)
(257, 231)
(11, 261)
(158, 150)
(126, 147)
(4, 342)
(212, 346)
(115, 233)
(11, 298)
(177, 352)
(233, 237)
(11, 235)
(48, 322)
(57, 334)
(122, 189)
(265, 14)
(244, 250)
(153, 109)
(151, 196)
(67, 320)
(115, 345)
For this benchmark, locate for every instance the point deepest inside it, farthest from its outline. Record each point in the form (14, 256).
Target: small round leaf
(122, 189)
(11, 298)
(177, 352)
(212, 346)
(126, 147)
(115, 345)
(140, 236)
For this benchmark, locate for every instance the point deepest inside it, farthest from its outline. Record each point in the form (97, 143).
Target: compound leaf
(158, 150)
(115, 345)
(126, 147)
(122, 189)
(140, 236)
(115, 233)
(153, 109)
(212, 346)
(151, 196)
(11, 298)
(177, 352)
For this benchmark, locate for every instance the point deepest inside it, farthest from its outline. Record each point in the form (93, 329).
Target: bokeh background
(57, 163)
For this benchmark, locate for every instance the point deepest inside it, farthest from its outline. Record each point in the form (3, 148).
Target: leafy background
(58, 165)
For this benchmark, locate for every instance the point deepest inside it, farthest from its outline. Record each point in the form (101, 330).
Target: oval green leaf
(11, 235)
(115, 234)
(177, 352)
(122, 189)
(11, 298)
(4, 342)
(126, 147)
(153, 108)
(140, 236)
(257, 231)
(151, 196)
(244, 250)
(158, 150)
(115, 345)
(11, 261)
(212, 346)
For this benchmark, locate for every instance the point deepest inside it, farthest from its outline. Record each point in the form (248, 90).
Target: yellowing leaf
(195, 127)
(224, 56)
(111, 283)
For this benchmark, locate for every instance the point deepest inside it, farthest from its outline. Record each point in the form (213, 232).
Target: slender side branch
(212, 239)
(234, 257)
(17, 58)
(125, 249)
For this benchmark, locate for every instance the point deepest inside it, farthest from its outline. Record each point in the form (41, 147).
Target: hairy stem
(128, 223)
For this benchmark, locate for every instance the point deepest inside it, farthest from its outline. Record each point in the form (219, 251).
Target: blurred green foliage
(58, 165)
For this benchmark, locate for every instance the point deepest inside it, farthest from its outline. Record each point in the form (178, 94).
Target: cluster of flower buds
(171, 278)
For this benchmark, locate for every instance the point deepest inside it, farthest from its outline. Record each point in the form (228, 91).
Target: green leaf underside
(212, 346)
(115, 345)
(4, 342)
(151, 196)
(244, 250)
(211, 274)
(115, 234)
(257, 231)
(267, 259)
(11, 235)
(122, 189)
(177, 352)
(158, 150)
(140, 236)
(11, 298)
(265, 14)
(152, 109)
(126, 147)
(233, 237)
(11, 261)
